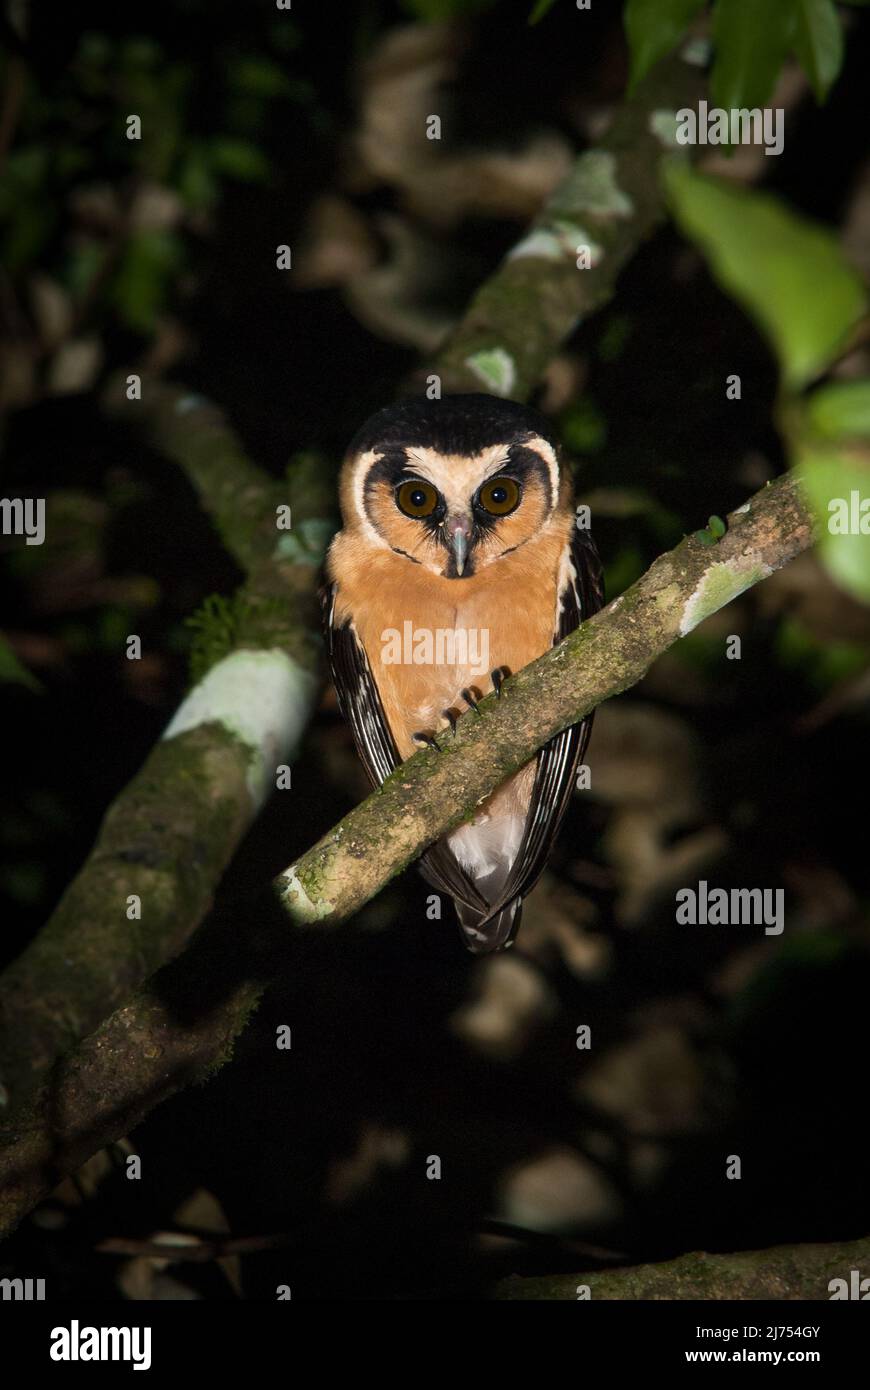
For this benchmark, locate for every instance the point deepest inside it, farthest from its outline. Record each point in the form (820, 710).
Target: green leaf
(751, 38)
(653, 28)
(787, 272)
(12, 672)
(841, 410)
(837, 482)
(818, 43)
(239, 159)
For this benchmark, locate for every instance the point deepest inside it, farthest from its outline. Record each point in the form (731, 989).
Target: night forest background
(307, 127)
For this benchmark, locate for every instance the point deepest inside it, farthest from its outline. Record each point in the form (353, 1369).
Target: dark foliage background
(707, 1041)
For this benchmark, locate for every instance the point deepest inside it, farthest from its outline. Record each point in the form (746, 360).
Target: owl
(459, 561)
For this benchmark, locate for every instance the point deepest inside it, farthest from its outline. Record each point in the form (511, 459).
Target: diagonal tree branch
(435, 791)
(159, 1042)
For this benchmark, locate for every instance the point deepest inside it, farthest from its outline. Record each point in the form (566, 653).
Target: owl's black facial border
(524, 464)
(390, 470)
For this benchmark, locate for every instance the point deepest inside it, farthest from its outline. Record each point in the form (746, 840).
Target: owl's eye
(499, 496)
(416, 499)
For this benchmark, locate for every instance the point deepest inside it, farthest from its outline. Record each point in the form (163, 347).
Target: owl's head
(452, 484)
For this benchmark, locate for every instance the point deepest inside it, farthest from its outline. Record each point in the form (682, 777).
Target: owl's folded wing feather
(557, 761)
(360, 703)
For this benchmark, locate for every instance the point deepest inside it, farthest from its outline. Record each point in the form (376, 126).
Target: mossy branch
(149, 1049)
(783, 1272)
(171, 832)
(568, 264)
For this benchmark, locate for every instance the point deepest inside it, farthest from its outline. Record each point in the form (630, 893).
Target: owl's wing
(358, 696)
(558, 760)
(360, 703)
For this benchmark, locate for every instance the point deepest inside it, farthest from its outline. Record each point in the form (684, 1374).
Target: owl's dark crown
(460, 424)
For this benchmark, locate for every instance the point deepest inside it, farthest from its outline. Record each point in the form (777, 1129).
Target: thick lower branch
(169, 835)
(784, 1272)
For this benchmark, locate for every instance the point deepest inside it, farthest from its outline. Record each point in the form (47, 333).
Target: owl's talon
(451, 720)
(469, 700)
(428, 739)
(497, 678)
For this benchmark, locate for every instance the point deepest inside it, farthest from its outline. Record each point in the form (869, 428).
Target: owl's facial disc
(456, 514)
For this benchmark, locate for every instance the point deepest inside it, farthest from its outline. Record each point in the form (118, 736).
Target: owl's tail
(482, 934)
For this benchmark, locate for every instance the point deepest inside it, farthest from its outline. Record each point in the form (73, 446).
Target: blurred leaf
(435, 11)
(818, 43)
(94, 48)
(787, 272)
(197, 184)
(751, 40)
(23, 883)
(12, 672)
(613, 337)
(823, 663)
(625, 567)
(85, 259)
(837, 482)
(140, 52)
(113, 626)
(140, 285)
(583, 427)
(239, 159)
(541, 8)
(841, 410)
(653, 28)
(28, 166)
(30, 226)
(260, 77)
(284, 35)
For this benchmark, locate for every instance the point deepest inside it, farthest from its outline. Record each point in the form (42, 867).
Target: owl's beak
(458, 535)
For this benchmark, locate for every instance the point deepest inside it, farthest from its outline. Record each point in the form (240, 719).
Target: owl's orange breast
(427, 637)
